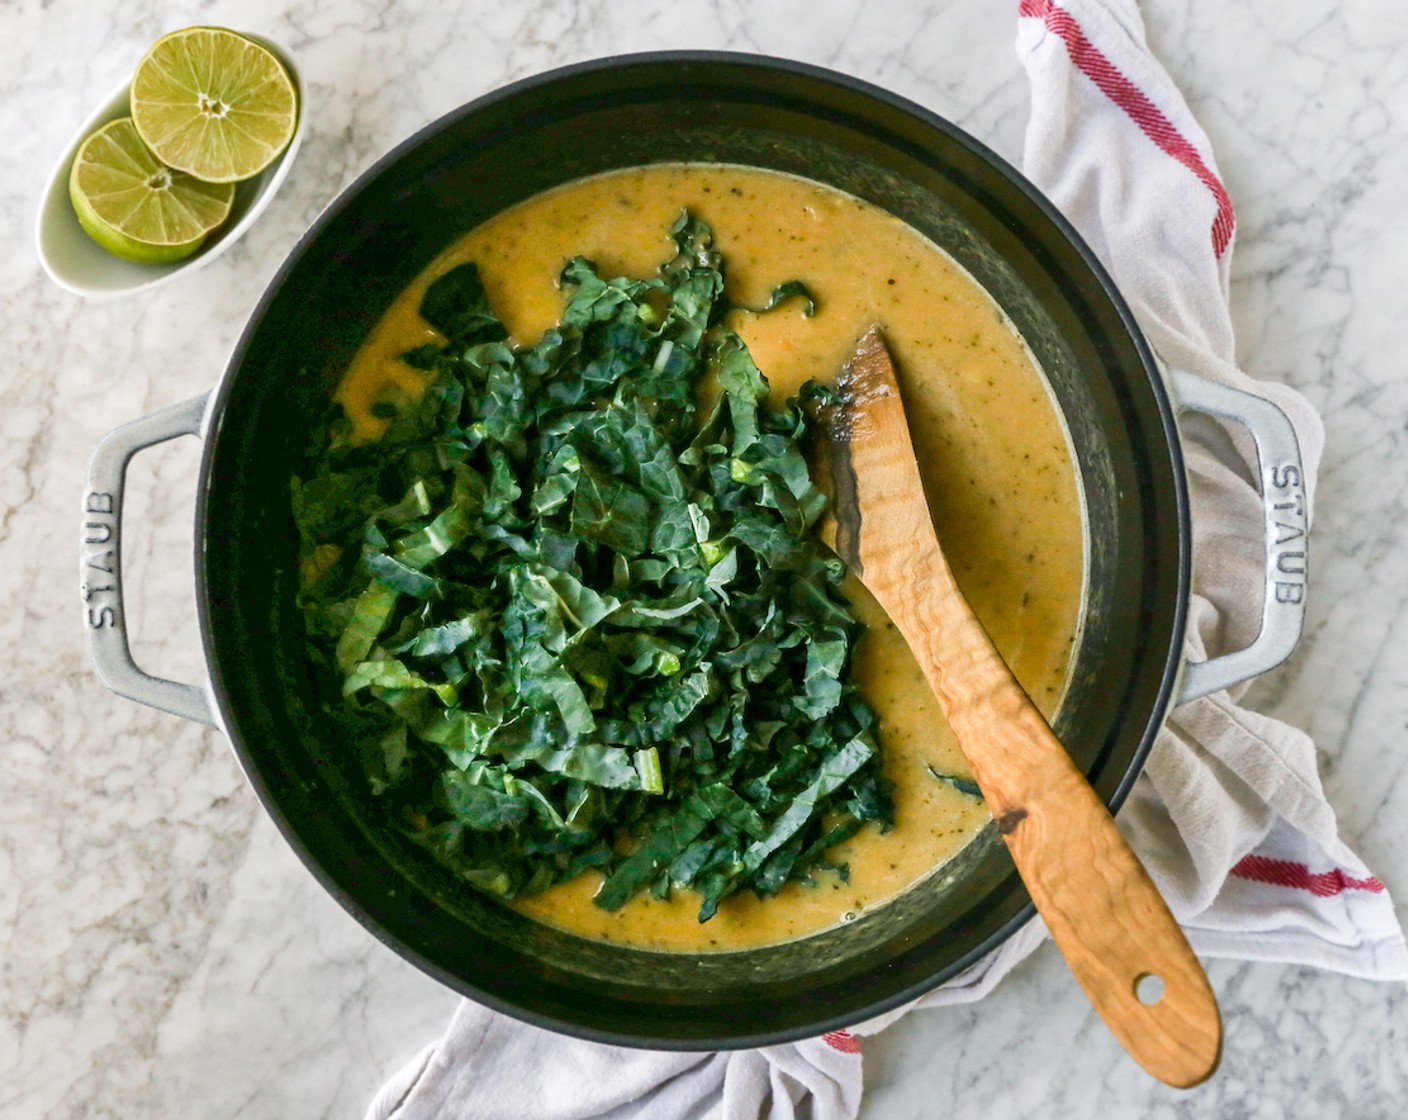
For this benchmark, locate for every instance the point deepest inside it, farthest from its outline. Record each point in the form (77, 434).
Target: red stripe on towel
(1284, 873)
(843, 1041)
(1139, 108)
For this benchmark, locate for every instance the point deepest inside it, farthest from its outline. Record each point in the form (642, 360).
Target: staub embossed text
(100, 557)
(1286, 514)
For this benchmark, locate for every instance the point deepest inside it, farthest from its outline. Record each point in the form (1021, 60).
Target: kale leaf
(577, 624)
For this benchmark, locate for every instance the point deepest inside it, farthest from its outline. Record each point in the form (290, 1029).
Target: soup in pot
(991, 446)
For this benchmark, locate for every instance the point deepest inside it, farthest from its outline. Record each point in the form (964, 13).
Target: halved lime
(136, 207)
(213, 104)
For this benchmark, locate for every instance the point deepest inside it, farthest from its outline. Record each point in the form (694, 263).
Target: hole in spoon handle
(1148, 988)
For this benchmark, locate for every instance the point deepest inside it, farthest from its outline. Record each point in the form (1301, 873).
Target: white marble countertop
(162, 953)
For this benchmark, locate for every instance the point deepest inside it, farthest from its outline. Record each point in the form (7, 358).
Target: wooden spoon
(1101, 907)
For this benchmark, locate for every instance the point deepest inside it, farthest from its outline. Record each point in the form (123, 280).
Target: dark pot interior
(508, 146)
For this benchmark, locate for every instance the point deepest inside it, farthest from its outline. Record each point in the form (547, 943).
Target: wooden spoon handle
(1099, 903)
(1102, 909)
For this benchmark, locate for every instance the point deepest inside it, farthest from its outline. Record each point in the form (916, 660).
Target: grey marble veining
(162, 953)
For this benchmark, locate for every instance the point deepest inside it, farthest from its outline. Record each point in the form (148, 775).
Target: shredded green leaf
(575, 624)
(962, 785)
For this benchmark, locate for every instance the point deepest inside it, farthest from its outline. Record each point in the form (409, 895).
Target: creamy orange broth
(994, 457)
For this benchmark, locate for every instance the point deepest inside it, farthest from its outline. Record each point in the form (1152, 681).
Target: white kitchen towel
(1228, 815)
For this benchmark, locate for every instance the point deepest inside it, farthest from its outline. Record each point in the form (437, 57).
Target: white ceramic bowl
(76, 262)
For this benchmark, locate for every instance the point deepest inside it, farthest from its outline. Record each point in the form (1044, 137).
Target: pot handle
(1286, 531)
(100, 565)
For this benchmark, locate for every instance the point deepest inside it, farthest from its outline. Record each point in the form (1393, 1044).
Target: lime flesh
(213, 104)
(137, 208)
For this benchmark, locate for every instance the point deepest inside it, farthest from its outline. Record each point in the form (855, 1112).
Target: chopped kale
(577, 625)
(962, 785)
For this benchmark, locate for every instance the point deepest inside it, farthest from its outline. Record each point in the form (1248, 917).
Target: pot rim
(1173, 660)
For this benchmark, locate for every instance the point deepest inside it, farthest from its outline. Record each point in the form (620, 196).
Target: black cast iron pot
(377, 236)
